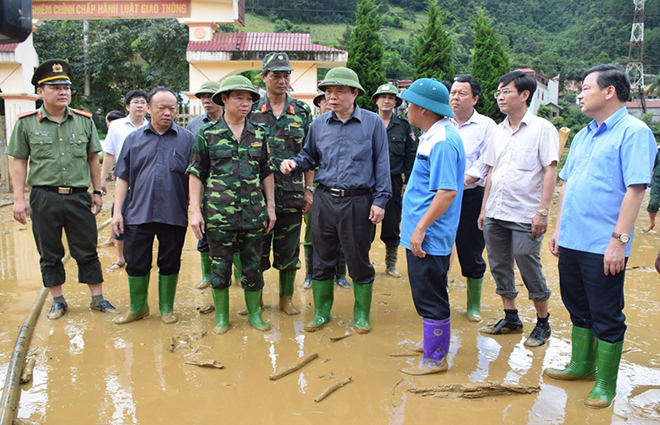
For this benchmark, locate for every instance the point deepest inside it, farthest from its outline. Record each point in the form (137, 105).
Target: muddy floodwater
(90, 371)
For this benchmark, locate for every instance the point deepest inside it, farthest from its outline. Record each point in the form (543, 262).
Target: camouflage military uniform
(234, 208)
(285, 136)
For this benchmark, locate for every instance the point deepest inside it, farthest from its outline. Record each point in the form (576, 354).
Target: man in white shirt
(136, 105)
(522, 158)
(475, 130)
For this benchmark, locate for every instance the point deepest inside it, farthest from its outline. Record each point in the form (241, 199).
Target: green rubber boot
(166, 293)
(238, 268)
(362, 307)
(474, 299)
(138, 287)
(323, 298)
(608, 359)
(221, 302)
(253, 303)
(206, 271)
(287, 277)
(583, 358)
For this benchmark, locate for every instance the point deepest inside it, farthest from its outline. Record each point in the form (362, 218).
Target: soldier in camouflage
(230, 164)
(285, 121)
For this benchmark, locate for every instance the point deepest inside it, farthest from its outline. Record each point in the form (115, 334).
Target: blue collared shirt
(155, 167)
(351, 154)
(602, 163)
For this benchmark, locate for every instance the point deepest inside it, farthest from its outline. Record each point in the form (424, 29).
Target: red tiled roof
(258, 42)
(8, 47)
(532, 72)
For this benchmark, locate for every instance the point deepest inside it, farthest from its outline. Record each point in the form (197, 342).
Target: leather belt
(62, 190)
(340, 193)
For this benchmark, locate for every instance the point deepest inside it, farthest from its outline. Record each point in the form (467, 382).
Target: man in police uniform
(285, 121)
(402, 148)
(61, 145)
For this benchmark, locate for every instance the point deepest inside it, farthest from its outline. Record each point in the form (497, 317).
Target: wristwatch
(621, 237)
(310, 188)
(97, 192)
(544, 213)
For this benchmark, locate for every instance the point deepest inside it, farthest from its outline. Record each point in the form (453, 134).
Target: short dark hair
(114, 115)
(611, 75)
(474, 84)
(522, 82)
(160, 89)
(446, 84)
(133, 94)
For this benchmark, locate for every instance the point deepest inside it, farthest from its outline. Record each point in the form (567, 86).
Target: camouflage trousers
(285, 240)
(221, 252)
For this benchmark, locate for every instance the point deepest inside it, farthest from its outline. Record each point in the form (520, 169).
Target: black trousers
(469, 239)
(50, 213)
(390, 232)
(593, 300)
(428, 283)
(342, 222)
(138, 248)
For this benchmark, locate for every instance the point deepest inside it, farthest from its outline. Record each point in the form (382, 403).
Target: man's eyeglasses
(505, 92)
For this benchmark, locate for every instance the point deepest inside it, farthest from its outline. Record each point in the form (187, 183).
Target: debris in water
(26, 376)
(290, 369)
(206, 363)
(207, 309)
(404, 354)
(331, 389)
(339, 338)
(472, 391)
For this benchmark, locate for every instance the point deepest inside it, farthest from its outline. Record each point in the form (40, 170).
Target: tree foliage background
(124, 54)
(432, 55)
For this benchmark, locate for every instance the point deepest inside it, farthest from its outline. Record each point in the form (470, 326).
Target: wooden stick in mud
(26, 376)
(473, 391)
(331, 389)
(296, 366)
(339, 338)
(563, 137)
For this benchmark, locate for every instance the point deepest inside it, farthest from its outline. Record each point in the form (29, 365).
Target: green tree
(489, 63)
(433, 48)
(284, 25)
(365, 52)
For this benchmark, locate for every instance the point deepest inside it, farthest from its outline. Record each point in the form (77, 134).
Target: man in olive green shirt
(61, 146)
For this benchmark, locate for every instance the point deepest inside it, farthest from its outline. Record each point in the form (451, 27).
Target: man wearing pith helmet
(285, 121)
(431, 212)
(230, 165)
(349, 145)
(402, 147)
(61, 145)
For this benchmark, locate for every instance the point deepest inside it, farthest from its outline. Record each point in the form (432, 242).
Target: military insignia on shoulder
(83, 113)
(291, 109)
(264, 108)
(27, 114)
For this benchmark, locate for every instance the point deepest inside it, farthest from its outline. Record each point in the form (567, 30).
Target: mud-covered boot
(238, 268)
(340, 275)
(206, 271)
(309, 267)
(436, 347)
(474, 299)
(323, 298)
(391, 252)
(607, 371)
(583, 358)
(221, 302)
(287, 277)
(244, 310)
(362, 307)
(253, 303)
(138, 287)
(166, 293)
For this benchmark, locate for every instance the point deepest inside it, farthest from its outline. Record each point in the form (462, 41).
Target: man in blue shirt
(605, 177)
(431, 212)
(153, 163)
(349, 145)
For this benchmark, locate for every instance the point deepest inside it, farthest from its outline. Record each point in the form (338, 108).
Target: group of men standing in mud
(250, 169)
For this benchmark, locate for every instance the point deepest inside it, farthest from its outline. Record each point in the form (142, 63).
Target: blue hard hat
(431, 94)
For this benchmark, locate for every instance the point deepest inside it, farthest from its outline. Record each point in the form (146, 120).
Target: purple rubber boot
(437, 335)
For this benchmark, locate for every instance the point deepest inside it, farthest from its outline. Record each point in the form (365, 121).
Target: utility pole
(635, 62)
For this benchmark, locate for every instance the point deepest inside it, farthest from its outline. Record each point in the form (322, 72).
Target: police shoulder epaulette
(27, 114)
(83, 113)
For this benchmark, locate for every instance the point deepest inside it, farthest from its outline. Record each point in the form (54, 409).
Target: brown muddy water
(90, 371)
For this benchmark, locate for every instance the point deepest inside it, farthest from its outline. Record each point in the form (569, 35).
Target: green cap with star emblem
(275, 61)
(341, 76)
(235, 82)
(209, 87)
(53, 71)
(388, 89)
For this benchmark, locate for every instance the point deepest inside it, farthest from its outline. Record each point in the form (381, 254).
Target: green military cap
(388, 89)
(53, 71)
(341, 76)
(235, 82)
(276, 61)
(209, 87)
(317, 99)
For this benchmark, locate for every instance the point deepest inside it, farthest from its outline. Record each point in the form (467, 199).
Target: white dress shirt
(475, 133)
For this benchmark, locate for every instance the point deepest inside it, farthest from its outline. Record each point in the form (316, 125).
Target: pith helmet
(388, 89)
(430, 94)
(341, 76)
(53, 71)
(235, 82)
(275, 61)
(317, 99)
(209, 87)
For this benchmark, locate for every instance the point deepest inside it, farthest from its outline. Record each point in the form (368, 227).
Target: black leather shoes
(503, 327)
(57, 310)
